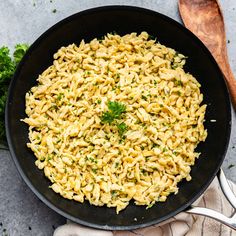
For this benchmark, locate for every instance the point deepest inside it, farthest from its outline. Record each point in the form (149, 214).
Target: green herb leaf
(91, 159)
(7, 66)
(152, 37)
(178, 83)
(165, 149)
(149, 206)
(115, 111)
(60, 96)
(7, 70)
(144, 97)
(107, 117)
(122, 128)
(20, 50)
(230, 166)
(113, 32)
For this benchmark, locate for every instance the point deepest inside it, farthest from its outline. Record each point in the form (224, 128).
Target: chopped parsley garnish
(144, 172)
(230, 166)
(178, 83)
(165, 149)
(60, 96)
(113, 193)
(87, 72)
(101, 39)
(115, 111)
(113, 32)
(149, 206)
(152, 37)
(117, 75)
(154, 145)
(122, 128)
(144, 97)
(91, 159)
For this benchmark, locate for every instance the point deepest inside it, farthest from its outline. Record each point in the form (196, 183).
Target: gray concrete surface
(21, 213)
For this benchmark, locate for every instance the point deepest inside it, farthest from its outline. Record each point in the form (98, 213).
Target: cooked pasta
(90, 153)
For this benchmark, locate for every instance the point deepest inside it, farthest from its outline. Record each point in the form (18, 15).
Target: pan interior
(95, 23)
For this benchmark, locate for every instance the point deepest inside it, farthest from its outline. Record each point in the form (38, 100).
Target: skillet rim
(50, 31)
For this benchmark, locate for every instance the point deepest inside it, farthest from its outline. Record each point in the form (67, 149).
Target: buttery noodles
(86, 159)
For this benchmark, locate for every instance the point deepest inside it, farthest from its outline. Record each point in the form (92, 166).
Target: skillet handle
(229, 221)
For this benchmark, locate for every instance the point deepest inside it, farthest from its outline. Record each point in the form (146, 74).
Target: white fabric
(181, 224)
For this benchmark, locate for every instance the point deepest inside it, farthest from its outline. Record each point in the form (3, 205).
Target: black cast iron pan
(95, 23)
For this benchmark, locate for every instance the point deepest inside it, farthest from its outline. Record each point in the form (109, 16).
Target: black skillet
(95, 23)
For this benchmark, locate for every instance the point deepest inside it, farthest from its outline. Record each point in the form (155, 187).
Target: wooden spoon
(205, 19)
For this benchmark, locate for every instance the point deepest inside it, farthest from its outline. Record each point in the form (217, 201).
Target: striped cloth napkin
(181, 224)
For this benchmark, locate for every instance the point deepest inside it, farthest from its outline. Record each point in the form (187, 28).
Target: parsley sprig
(114, 113)
(7, 69)
(122, 128)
